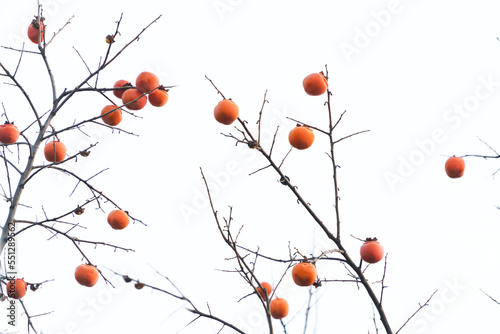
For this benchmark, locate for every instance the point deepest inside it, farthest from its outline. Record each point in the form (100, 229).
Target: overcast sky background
(422, 76)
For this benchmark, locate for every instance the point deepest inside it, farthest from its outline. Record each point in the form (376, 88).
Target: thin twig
(57, 33)
(19, 62)
(415, 313)
(244, 269)
(308, 125)
(286, 155)
(218, 90)
(383, 279)
(496, 301)
(260, 116)
(353, 134)
(274, 140)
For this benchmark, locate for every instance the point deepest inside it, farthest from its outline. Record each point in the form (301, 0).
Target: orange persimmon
(146, 82)
(118, 219)
(372, 251)
(119, 84)
(17, 288)
(113, 117)
(86, 275)
(9, 133)
(454, 167)
(267, 290)
(226, 112)
(55, 151)
(315, 84)
(139, 100)
(278, 308)
(304, 274)
(301, 137)
(158, 97)
(34, 28)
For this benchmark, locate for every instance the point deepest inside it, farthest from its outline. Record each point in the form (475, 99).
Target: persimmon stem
(218, 90)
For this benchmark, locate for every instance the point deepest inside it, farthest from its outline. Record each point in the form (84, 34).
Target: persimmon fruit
(158, 97)
(146, 82)
(139, 100)
(9, 133)
(278, 308)
(301, 137)
(86, 275)
(315, 84)
(226, 112)
(304, 274)
(112, 118)
(119, 84)
(54, 151)
(267, 290)
(118, 219)
(454, 167)
(34, 28)
(17, 288)
(372, 251)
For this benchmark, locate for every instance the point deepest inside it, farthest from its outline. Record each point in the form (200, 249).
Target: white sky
(403, 82)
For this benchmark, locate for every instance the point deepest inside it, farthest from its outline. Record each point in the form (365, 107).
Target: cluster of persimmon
(147, 88)
(54, 151)
(303, 274)
(278, 307)
(301, 137)
(88, 275)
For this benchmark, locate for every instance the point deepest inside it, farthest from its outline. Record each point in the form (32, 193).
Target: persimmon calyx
(35, 23)
(253, 144)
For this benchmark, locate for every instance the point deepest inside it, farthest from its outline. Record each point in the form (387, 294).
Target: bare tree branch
(421, 306)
